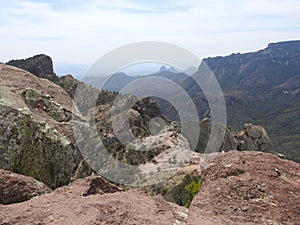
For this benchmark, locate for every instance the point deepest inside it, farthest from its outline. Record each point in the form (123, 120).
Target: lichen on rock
(35, 148)
(37, 100)
(36, 136)
(15, 188)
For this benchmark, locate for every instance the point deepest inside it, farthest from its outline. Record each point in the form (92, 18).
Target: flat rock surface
(248, 188)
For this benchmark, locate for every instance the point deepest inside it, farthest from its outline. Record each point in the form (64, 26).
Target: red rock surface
(238, 188)
(68, 205)
(248, 188)
(18, 188)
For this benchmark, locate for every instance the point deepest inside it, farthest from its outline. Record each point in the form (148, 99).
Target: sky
(76, 33)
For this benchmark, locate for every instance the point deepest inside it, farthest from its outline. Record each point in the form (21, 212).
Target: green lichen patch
(36, 149)
(37, 100)
(4, 101)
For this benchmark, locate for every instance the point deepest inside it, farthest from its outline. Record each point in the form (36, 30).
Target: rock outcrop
(16, 188)
(247, 188)
(250, 138)
(69, 205)
(36, 134)
(253, 138)
(39, 65)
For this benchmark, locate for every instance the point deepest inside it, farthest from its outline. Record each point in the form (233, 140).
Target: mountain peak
(162, 69)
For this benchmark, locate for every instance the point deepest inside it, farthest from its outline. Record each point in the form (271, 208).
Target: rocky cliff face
(39, 65)
(38, 138)
(36, 135)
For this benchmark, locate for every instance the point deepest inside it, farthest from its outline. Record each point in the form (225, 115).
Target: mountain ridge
(259, 87)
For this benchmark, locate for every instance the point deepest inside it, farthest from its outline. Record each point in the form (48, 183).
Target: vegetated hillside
(262, 88)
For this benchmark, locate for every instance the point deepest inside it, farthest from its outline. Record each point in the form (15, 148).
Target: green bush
(192, 189)
(184, 192)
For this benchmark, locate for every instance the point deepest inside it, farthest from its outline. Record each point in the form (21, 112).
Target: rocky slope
(247, 188)
(251, 137)
(38, 137)
(36, 134)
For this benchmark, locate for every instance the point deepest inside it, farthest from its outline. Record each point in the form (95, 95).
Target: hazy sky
(79, 32)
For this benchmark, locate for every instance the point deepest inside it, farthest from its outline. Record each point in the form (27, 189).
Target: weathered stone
(98, 185)
(36, 100)
(247, 187)
(16, 188)
(68, 205)
(36, 136)
(251, 137)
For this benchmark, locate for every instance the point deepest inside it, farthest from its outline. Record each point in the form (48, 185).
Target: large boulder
(16, 188)
(247, 188)
(36, 137)
(70, 205)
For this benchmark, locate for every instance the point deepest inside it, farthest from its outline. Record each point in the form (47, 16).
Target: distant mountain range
(260, 87)
(118, 81)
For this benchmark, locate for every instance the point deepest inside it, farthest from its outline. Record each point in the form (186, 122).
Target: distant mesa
(39, 65)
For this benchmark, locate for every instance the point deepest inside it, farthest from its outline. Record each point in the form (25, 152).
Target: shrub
(192, 189)
(183, 193)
